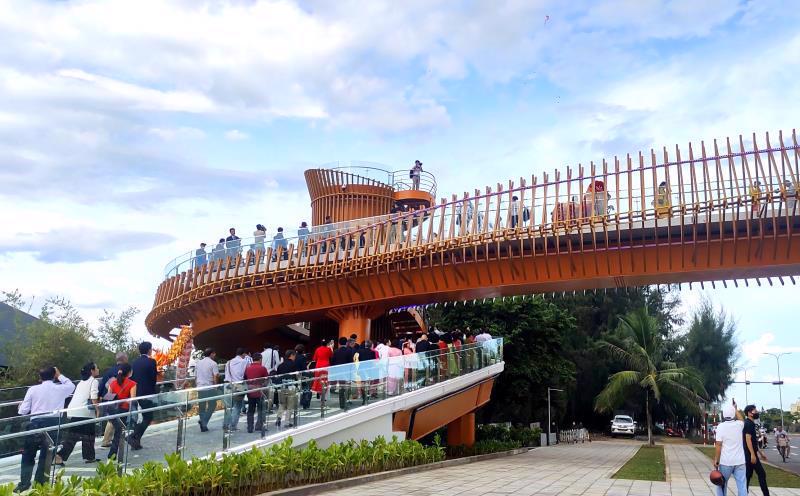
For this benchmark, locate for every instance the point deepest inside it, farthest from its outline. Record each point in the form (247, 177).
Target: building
(795, 407)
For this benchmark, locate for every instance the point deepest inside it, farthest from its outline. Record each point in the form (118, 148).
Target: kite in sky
(546, 18)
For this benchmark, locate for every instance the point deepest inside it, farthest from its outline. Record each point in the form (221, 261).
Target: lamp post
(548, 412)
(780, 382)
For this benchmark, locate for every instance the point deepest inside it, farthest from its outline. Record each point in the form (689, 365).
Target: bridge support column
(354, 320)
(461, 431)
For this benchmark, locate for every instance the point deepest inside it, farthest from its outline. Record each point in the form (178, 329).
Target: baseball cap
(729, 412)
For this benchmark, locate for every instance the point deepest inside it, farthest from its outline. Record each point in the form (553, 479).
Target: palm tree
(639, 346)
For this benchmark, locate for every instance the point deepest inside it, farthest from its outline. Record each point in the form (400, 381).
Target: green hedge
(482, 447)
(525, 436)
(244, 474)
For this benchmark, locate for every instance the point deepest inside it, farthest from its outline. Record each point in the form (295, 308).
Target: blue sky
(130, 131)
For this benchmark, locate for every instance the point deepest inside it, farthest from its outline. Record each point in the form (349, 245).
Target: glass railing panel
(158, 425)
(175, 414)
(205, 410)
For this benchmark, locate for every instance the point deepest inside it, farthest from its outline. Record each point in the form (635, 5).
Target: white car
(622, 425)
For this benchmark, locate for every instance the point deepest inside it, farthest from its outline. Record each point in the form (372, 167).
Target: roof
(11, 323)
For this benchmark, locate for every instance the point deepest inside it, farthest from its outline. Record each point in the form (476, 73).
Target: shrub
(525, 436)
(482, 447)
(250, 473)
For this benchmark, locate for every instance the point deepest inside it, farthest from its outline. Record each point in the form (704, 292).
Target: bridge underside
(241, 308)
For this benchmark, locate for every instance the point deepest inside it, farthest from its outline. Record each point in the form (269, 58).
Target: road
(792, 463)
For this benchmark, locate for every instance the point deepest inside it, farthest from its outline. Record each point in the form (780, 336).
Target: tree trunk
(650, 440)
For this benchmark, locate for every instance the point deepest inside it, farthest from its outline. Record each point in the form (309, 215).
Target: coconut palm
(639, 346)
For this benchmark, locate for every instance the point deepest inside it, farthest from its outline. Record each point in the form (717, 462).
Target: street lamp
(548, 411)
(779, 382)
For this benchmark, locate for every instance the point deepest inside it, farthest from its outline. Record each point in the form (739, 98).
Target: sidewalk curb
(362, 479)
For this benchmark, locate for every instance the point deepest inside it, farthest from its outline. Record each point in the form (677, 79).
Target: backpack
(411, 174)
(526, 214)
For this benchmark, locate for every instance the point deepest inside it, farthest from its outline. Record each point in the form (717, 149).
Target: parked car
(623, 425)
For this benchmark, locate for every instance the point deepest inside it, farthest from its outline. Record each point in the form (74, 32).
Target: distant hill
(11, 320)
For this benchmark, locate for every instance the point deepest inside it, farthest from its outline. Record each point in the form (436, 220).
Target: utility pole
(780, 382)
(548, 412)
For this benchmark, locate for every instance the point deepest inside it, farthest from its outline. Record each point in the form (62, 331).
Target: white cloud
(177, 133)
(236, 135)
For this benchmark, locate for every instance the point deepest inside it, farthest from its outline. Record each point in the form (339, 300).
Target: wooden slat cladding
(345, 196)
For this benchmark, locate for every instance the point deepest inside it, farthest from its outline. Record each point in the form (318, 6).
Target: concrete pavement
(580, 469)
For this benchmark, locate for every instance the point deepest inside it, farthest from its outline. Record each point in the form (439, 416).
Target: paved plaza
(582, 469)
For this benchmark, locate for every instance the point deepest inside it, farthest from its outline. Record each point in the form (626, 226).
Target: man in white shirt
(234, 375)
(206, 374)
(41, 402)
(271, 358)
(729, 454)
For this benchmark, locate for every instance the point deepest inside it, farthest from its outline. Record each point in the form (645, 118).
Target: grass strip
(648, 464)
(776, 477)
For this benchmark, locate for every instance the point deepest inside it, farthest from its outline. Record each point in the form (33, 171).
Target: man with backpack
(271, 358)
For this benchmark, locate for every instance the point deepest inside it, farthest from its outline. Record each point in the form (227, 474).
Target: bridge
(715, 212)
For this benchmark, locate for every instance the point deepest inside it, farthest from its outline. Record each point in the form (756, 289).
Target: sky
(131, 131)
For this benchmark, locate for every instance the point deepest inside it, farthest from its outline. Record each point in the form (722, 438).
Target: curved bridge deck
(722, 217)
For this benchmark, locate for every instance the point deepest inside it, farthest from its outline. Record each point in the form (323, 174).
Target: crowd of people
(739, 449)
(251, 384)
(594, 203)
(94, 396)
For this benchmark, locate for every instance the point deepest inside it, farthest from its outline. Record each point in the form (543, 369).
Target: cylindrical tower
(345, 195)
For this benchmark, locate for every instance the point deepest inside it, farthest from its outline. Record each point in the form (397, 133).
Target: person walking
(513, 210)
(233, 245)
(109, 375)
(200, 256)
(145, 375)
(729, 450)
(259, 235)
(206, 376)
(752, 453)
(302, 236)
(271, 358)
(255, 374)
(301, 367)
(82, 407)
(280, 245)
(287, 392)
(42, 402)
(234, 397)
(218, 252)
(119, 390)
(322, 360)
(341, 376)
(791, 197)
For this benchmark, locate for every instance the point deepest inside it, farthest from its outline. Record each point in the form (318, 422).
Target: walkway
(583, 469)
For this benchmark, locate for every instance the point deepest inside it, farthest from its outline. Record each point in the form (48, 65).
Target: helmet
(716, 478)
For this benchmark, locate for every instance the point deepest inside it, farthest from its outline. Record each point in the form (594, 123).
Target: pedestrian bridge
(721, 211)
(407, 396)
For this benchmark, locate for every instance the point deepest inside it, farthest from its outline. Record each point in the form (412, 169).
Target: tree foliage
(113, 332)
(60, 336)
(534, 331)
(710, 347)
(639, 346)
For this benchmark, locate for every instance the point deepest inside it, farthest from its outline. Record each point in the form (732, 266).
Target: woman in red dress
(322, 358)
